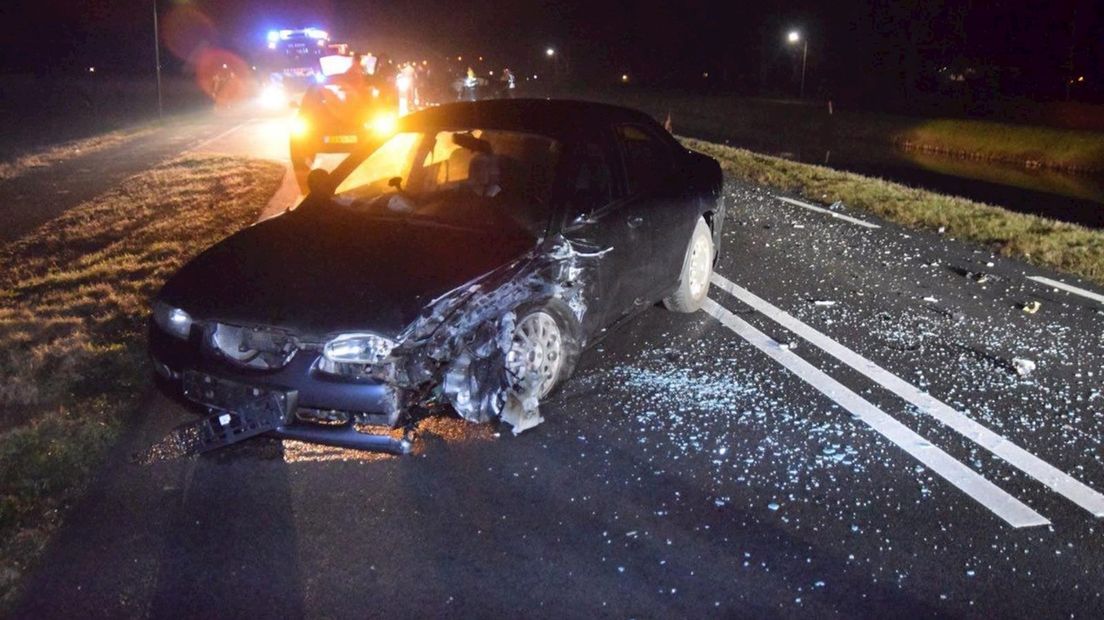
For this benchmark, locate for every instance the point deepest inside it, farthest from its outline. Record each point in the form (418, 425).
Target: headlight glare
(173, 321)
(273, 97)
(299, 126)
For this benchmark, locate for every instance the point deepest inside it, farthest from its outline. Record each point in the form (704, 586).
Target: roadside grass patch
(779, 123)
(74, 297)
(75, 148)
(976, 139)
(1059, 245)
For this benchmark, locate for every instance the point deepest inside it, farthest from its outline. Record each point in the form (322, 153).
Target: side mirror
(319, 183)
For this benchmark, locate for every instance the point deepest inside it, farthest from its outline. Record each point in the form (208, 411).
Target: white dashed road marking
(1060, 482)
(846, 218)
(1013, 511)
(1066, 287)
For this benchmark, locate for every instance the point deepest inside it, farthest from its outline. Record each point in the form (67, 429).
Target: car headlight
(299, 126)
(352, 354)
(383, 124)
(174, 321)
(358, 349)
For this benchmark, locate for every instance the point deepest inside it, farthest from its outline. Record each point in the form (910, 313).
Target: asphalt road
(844, 430)
(44, 193)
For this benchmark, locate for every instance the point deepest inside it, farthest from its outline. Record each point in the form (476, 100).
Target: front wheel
(542, 354)
(697, 267)
(544, 349)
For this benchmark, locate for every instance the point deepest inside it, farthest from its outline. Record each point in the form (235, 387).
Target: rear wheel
(697, 267)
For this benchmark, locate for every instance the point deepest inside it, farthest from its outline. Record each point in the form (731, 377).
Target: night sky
(854, 47)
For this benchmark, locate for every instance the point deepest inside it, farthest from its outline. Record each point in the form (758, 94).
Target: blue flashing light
(273, 36)
(319, 77)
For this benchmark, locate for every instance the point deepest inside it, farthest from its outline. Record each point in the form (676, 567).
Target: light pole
(795, 37)
(157, 59)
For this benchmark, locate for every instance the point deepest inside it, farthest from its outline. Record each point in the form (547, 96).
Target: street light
(795, 37)
(550, 52)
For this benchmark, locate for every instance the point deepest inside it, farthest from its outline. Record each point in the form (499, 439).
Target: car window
(472, 178)
(647, 159)
(593, 183)
(392, 159)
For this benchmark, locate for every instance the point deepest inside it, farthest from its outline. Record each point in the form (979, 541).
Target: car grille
(261, 348)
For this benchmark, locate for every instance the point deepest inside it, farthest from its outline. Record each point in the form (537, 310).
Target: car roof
(556, 118)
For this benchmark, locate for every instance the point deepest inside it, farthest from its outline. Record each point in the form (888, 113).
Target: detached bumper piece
(241, 411)
(345, 437)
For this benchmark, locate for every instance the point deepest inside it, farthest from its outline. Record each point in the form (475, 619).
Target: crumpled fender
(461, 341)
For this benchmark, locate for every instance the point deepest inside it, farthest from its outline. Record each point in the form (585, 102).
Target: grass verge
(1034, 146)
(75, 148)
(1065, 247)
(782, 125)
(74, 297)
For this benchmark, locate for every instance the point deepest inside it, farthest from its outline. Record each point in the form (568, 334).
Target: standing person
(353, 79)
(509, 83)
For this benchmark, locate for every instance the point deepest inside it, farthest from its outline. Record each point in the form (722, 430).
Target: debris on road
(1032, 307)
(1024, 367)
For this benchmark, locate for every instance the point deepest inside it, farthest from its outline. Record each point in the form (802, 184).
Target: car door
(598, 219)
(657, 199)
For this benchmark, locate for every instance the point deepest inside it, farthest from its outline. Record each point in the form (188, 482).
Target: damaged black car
(464, 261)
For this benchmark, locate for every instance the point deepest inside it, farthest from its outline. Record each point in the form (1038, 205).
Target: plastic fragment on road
(1032, 307)
(1024, 367)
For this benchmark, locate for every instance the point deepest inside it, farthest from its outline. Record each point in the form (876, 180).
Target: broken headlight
(174, 321)
(352, 354)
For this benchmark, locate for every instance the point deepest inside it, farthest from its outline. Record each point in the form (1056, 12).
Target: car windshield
(487, 179)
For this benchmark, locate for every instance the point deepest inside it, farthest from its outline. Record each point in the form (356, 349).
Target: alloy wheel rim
(699, 266)
(537, 348)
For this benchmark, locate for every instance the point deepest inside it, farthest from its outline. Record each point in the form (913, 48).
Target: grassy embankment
(1058, 245)
(778, 125)
(1032, 146)
(74, 298)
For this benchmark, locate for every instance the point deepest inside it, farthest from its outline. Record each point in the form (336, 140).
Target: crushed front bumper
(294, 402)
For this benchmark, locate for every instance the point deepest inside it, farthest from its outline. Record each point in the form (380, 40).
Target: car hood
(331, 270)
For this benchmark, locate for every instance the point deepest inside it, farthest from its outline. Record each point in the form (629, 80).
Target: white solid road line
(220, 136)
(1060, 482)
(1012, 510)
(1066, 287)
(846, 218)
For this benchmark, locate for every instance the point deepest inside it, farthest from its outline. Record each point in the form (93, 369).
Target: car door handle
(635, 221)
